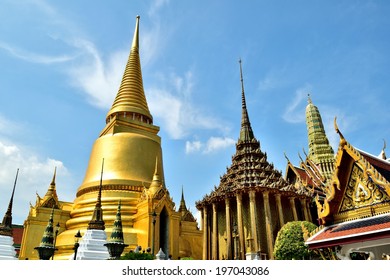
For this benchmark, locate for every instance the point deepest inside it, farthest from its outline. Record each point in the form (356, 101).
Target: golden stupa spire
(130, 99)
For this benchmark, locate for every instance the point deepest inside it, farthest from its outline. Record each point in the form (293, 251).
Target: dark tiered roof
(250, 169)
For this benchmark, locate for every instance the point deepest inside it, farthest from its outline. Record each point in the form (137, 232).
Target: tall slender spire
(6, 225)
(97, 216)
(183, 207)
(131, 98)
(51, 198)
(246, 133)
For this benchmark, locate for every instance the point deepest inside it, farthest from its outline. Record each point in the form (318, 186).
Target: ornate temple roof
(250, 169)
(50, 200)
(371, 228)
(359, 187)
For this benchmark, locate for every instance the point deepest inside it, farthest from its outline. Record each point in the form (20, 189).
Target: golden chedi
(133, 173)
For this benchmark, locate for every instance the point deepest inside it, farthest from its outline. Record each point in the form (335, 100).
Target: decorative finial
(383, 153)
(342, 139)
(246, 133)
(304, 152)
(288, 160)
(135, 44)
(309, 98)
(242, 84)
(53, 181)
(299, 155)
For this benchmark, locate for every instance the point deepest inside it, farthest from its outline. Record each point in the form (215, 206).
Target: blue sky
(62, 62)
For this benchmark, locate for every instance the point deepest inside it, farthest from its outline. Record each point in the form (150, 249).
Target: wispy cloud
(97, 78)
(170, 100)
(155, 6)
(293, 112)
(35, 171)
(212, 145)
(35, 57)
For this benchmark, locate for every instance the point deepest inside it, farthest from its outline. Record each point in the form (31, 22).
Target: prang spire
(320, 151)
(6, 225)
(130, 100)
(246, 133)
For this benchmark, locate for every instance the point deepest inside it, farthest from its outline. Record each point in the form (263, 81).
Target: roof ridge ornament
(342, 139)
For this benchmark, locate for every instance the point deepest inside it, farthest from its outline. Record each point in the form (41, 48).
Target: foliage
(290, 243)
(186, 258)
(137, 256)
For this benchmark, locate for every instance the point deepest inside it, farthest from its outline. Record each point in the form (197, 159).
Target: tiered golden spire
(131, 97)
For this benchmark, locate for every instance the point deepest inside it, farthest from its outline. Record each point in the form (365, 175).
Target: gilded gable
(361, 192)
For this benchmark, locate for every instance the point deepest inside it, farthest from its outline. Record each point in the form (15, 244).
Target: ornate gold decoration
(361, 191)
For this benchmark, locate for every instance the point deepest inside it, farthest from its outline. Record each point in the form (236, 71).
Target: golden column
(240, 224)
(292, 203)
(280, 209)
(205, 245)
(304, 206)
(268, 223)
(215, 233)
(228, 230)
(252, 209)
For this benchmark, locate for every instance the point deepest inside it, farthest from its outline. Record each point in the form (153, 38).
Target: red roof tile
(352, 231)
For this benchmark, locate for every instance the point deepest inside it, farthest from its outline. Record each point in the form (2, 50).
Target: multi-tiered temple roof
(250, 168)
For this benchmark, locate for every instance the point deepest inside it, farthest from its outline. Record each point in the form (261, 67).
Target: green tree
(137, 256)
(290, 243)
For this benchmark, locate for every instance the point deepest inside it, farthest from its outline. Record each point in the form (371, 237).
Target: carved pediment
(361, 192)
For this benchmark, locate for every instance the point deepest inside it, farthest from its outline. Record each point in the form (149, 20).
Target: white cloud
(35, 174)
(193, 146)
(34, 57)
(293, 112)
(218, 143)
(170, 102)
(212, 145)
(156, 6)
(97, 78)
